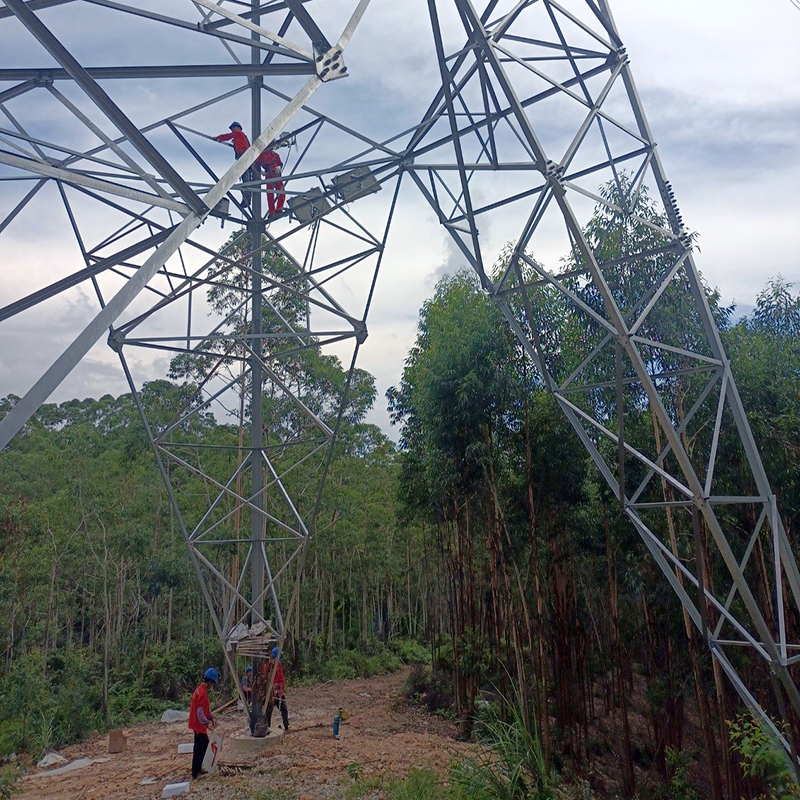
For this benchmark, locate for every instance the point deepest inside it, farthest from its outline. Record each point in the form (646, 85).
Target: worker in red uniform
(270, 162)
(278, 690)
(240, 144)
(201, 719)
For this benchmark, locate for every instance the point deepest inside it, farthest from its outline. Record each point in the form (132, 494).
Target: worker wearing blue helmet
(247, 684)
(201, 720)
(241, 144)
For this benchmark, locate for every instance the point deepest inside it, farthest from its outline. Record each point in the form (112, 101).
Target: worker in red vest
(240, 144)
(278, 690)
(201, 719)
(270, 162)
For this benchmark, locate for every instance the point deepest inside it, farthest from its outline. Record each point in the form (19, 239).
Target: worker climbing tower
(535, 131)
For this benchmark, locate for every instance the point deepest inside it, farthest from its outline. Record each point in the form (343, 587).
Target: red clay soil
(382, 738)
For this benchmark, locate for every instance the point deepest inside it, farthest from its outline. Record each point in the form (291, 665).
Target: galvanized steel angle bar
(226, 623)
(568, 293)
(568, 183)
(193, 556)
(665, 422)
(178, 115)
(596, 114)
(99, 97)
(278, 381)
(628, 448)
(249, 502)
(277, 481)
(657, 291)
(545, 196)
(100, 134)
(642, 340)
(550, 4)
(19, 89)
(9, 218)
(226, 583)
(532, 348)
(200, 531)
(654, 543)
(680, 429)
(578, 53)
(745, 558)
(207, 30)
(23, 133)
(81, 179)
(261, 31)
(190, 408)
(749, 700)
(448, 85)
(712, 457)
(629, 381)
(594, 106)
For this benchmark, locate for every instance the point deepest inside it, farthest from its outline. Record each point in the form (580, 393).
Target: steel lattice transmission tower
(536, 124)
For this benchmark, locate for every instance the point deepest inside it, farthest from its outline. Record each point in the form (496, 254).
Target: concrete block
(117, 742)
(172, 789)
(241, 749)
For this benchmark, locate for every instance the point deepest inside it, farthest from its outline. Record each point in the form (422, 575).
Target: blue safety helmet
(211, 674)
(275, 653)
(248, 668)
(235, 124)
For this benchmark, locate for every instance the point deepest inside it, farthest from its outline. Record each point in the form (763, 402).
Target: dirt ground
(383, 737)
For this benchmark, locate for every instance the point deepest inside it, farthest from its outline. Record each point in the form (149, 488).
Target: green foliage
(680, 784)
(419, 784)
(10, 775)
(364, 787)
(512, 769)
(375, 659)
(763, 759)
(49, 702)
(410, 651)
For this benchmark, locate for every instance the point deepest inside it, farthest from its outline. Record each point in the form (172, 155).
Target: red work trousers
(275, 197)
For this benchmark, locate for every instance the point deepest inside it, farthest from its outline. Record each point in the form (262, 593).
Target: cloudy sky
(720, 83)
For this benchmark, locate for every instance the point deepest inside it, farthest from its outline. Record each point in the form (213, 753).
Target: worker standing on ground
(201, 720)
(270, 162)
(278, 691)
(247, 684)
(240, 144)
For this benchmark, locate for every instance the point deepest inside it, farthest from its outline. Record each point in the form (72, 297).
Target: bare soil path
(383, 738)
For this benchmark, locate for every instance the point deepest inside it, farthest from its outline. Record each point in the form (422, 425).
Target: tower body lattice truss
(534, 128)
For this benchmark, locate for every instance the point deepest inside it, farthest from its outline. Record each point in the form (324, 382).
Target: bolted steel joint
(115, 341)
(330, 65)
(553, 170)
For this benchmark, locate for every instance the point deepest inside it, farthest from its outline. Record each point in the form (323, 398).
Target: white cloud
(720, 82)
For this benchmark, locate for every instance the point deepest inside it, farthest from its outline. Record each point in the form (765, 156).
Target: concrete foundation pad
(244, 749)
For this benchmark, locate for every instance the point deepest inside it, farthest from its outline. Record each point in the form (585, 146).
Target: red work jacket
(240, 141)
(271, 163)
(199, 700)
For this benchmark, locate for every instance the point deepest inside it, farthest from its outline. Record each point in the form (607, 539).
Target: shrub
(410, 651)
(513, 768)
(763, 758)
(433, 687)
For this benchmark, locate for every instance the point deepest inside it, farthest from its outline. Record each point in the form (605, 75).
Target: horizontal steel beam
(114, 113)
(80, 179)
(171, 71)
(35, 5)
(62, 285)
